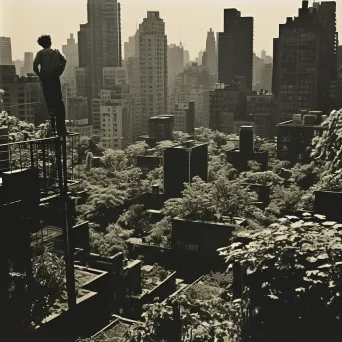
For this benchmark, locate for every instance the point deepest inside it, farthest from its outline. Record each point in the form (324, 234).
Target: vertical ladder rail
(63, 187)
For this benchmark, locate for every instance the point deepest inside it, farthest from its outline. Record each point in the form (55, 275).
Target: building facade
(5, 51)
(181, 164)
(175, 63)
(184, 117)
(294, 137)
(153, 67)
(201, 98)
(210, 56)
(133, 75)
(99, 44)
(70, 51)
(262, 108)
(305, 61)
(23, 98)
(27, 68)
(226, 105)
(235, 58)
(161, 127)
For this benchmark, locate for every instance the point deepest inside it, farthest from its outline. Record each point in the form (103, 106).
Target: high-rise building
(305, 61)
(84, 45)
(200, 96)
(28, 64)
(111, 117)
(200, 57)
(266, 77)
(235, 48)
(184, 116)
(129, 47)
(70, 50)
(99, 44)
(210, 56)
(5, 51)
(104, 19)
(186, 58)
(153, 67)
(23, 98)
(175, 62)
(227, 104)
(18, 65)
(263, 54)
(262, 110)
(133, 75)
(258, 64)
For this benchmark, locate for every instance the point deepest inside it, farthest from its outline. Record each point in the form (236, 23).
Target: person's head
(44, 41)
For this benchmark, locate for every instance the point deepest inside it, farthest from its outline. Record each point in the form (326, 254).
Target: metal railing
(41, 154)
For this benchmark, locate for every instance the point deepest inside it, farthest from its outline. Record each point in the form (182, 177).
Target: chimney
(155, 189)
(288, 20)
(247, 140)
(305, 4)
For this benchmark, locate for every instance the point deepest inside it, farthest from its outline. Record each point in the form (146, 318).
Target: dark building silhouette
(339, 77)
(161, 127)
(294, 137)
(181, 164)
(235, 48)
(305, 61)
(226, 104)
(240, 157)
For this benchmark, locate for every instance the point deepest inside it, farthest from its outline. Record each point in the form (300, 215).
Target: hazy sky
(25, 20)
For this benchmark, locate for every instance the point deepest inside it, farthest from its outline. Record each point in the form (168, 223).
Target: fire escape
(32, 173)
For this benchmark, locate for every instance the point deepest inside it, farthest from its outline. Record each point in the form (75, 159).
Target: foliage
(328, 147)
(160, 233)
(306, 176)
(264, 178)
(295, 262)
(44, 292)
(110, 243)
(207, 314)
(209, 201)
(133, 219)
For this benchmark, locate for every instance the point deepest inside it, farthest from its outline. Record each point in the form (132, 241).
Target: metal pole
(63, 186)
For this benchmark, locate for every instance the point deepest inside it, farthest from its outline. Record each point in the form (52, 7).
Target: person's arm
(36, 64)
(63, 62)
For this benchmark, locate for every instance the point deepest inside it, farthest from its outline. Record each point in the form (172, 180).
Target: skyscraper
(5, 51)
(70, 50)
(129, 47)
(153, 67)
(104, 19)
(211, 62)
(99, 44)
(28, 64)
(305, 61)
(175, 62)
(236, 48)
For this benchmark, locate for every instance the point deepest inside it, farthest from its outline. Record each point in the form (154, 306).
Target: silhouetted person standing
(52, 64)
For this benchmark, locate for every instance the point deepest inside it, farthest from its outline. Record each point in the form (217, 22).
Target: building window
(284, 148)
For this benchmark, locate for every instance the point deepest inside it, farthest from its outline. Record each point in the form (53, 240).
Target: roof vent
(297, 118)
(309, 119)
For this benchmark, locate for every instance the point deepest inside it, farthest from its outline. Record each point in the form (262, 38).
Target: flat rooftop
(292, 123)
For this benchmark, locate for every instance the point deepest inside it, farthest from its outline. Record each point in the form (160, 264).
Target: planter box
(165, 288)
(106, 331)
(70, 324)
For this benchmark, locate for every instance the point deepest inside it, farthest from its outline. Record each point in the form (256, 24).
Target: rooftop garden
(152, 276)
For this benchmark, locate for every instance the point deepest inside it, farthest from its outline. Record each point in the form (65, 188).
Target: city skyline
(208, 15)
